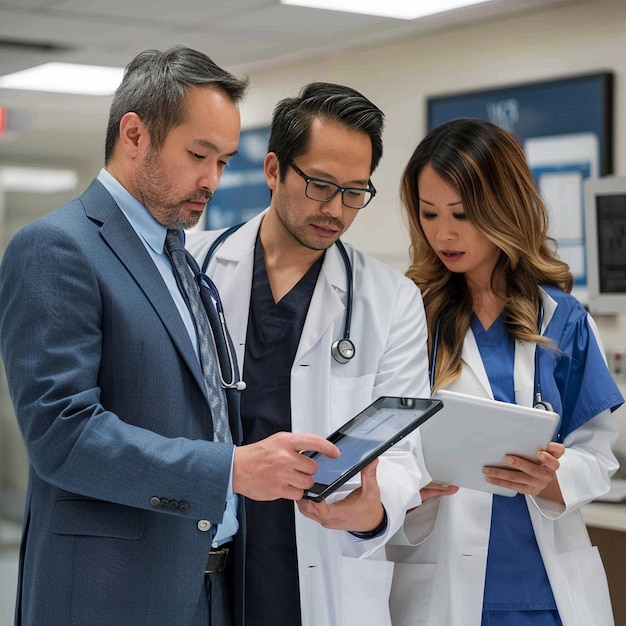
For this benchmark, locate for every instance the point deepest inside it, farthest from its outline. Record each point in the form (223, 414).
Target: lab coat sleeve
(586, 466)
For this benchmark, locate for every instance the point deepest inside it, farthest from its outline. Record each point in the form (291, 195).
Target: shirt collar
(136, 213)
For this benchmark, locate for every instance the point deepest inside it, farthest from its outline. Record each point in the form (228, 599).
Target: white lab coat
(441, 552)
(343, 581)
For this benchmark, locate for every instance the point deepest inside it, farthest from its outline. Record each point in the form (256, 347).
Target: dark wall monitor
(605, 241)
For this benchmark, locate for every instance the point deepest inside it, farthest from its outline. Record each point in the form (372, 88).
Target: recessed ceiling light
(398, 9)
(91, 80)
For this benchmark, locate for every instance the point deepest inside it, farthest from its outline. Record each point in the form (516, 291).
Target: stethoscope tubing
(203, 279)
(342, 350)
(539, 403)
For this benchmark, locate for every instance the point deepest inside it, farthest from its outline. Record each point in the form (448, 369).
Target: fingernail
(508, 460)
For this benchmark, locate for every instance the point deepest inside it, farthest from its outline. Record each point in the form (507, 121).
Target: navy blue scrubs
(273, 335)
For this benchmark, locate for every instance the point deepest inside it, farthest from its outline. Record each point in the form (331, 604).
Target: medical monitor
(605, 242)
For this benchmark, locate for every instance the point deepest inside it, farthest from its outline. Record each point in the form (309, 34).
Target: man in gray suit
(133, 510)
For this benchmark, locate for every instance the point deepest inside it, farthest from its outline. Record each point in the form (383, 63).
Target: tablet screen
(365, 437)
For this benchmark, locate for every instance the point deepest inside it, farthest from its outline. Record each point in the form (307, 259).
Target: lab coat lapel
(232, 270)
(523, 372)
(524, 366)
(326, 303)
(549, 307)
(473, 379)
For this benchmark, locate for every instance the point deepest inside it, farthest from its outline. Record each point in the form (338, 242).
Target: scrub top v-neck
(273, 335)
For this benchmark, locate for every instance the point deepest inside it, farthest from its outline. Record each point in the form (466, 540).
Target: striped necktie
(206, 345)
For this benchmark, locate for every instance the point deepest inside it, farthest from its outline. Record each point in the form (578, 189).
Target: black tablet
(366, 436)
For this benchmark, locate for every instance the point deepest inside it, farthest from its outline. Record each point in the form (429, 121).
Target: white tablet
(469, 433)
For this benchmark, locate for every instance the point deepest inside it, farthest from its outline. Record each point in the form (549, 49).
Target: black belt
(218, 558)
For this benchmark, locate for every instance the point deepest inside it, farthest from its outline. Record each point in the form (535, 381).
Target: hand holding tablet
(471, 432)
(367, 436)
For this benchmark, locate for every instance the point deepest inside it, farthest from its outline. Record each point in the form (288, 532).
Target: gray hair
(155, 86)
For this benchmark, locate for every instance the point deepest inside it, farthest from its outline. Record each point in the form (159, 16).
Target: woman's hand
(533, 478)
(434, 490)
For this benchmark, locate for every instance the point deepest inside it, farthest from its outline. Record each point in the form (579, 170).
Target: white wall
(577, 39)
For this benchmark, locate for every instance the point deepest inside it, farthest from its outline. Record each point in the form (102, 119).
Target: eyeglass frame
(308, 179)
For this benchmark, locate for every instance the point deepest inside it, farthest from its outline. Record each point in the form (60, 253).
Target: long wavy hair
(486, 166)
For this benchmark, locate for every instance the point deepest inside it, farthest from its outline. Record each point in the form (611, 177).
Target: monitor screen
(605, 220)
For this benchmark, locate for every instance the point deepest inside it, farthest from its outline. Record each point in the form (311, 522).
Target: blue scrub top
(516, 578)
(575, 378)
(576, 381)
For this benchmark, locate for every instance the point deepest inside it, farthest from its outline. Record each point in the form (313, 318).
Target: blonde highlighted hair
(487, 167)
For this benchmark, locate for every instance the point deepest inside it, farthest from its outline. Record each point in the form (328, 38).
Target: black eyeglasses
(322, 190)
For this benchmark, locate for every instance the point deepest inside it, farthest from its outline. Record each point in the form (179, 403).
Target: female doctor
(503, 325)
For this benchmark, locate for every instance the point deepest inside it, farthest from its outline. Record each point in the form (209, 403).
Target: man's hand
(273, 468)
(360, 511)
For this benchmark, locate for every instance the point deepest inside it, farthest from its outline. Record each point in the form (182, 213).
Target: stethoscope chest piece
(343, 350)
(541, 404)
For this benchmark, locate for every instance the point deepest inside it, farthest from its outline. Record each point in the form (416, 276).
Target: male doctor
(284, 287)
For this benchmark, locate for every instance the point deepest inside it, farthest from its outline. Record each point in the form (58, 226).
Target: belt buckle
(217, 560)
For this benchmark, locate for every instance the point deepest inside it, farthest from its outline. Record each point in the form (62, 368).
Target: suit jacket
(125, 483)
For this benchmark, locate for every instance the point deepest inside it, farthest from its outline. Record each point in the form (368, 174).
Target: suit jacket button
(154, 501)
(183, 506)
(173, 504)
(204, 525)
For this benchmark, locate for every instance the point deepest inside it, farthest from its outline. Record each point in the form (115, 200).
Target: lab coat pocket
(349, 396)
(365, 587)
(589, 592)
(411, 594)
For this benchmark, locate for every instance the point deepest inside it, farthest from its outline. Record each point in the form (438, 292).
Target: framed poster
(566, 129)
(243, 192)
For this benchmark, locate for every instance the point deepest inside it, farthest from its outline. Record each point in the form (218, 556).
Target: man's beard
(158, 196)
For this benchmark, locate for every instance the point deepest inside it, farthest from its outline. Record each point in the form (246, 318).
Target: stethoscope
(343, 350)
(203, 279)
(539, 403)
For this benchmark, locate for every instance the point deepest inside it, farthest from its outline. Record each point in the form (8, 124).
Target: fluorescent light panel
(91, 80)
(398, 9)
(37, 180)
